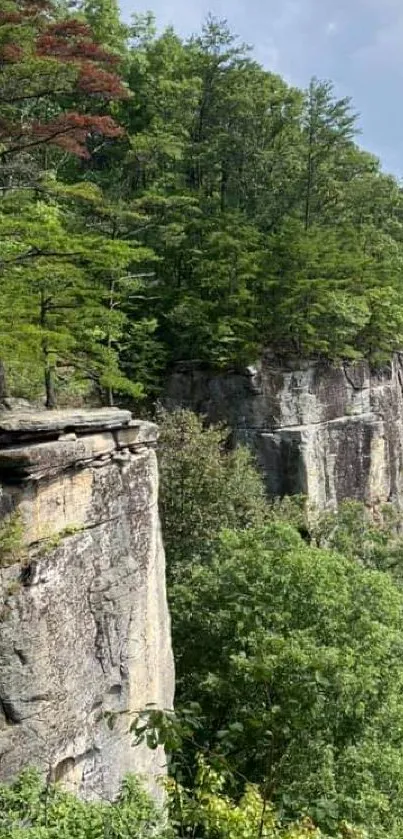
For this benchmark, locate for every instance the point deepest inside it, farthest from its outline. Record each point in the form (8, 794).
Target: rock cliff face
(329, 432)
(84, 625)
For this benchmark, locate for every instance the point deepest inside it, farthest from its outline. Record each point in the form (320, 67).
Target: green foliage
(104, 19)
(52, 542)
(63, 292)
(208, 811)
(228, 211)
(295, 656)
(204, 487)
(327, 291)
(292, 647)
(353, 531)
(271, 226)
(11, 539)
(29, 809)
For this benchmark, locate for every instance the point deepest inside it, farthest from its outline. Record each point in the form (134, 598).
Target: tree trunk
(3, 383)
(47, 366)
(50, 387)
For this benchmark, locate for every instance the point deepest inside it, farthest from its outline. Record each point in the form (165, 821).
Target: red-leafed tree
(54, 81)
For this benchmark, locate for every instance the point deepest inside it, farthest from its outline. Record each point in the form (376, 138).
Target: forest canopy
(164, 199)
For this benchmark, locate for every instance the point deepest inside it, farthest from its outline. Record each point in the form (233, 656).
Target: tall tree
(46, 64)
(329, 127)
(104, 19)
(54, 77)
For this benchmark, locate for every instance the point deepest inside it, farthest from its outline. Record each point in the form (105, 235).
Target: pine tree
(103, 16)
(329, 127)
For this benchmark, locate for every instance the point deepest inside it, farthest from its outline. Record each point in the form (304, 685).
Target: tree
(329, 127)
(103, 16)
(295, 656)
(46, 61)
(48, 274)
(291, 650)
(204, 487)
(268, 224)
(374, 542)
(207, 810)
(63, 290)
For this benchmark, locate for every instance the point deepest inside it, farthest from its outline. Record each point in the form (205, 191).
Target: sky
(357, 44)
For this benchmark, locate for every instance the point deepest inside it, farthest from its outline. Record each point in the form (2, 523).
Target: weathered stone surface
(47, 423)
(84, 625)
(44, 459)
(331, 432)
(139, 433)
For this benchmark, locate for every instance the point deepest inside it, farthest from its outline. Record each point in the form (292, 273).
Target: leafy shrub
(29, 809)
(353, 531)
(204, 487)
(206, 810)
(295, 655)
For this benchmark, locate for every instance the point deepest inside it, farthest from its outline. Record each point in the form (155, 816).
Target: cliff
(331, 432)
(84, 625)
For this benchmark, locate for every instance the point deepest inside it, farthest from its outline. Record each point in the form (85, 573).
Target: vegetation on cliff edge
(165, 199)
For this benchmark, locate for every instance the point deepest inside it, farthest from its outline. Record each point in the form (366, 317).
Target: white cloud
(331, 28)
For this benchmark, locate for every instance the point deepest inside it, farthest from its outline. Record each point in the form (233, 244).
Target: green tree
(295, 656)
(203, 487)
(62, 289)
(208, 810)
(105, 21)
(329, 127)
(329, 292)
(52, 73)
(375, 541)
(269, 225)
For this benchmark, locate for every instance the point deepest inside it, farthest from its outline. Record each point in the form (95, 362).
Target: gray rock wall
(84, 625)
(329, 432)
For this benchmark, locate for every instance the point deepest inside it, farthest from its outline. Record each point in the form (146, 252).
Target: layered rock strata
(330, 432)
(84, 627)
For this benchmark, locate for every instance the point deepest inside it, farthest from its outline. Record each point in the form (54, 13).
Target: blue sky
(358, 44)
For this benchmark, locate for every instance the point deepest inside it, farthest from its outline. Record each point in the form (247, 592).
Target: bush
(206, 810)
(204, 487)
(295, 655)
(29, 809)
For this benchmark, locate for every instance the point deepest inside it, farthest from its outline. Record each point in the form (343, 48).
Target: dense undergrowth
(31, 809)
(288, 638)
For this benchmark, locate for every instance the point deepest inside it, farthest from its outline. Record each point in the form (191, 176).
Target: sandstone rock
(332, 432)
(45, 459)
(85, 629)
(12, 403)
(31, 424)
(138, 433)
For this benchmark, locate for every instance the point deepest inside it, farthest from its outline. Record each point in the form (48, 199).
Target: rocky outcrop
(84, 627)
(331, 432)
